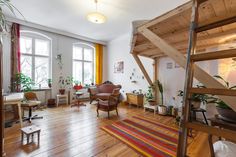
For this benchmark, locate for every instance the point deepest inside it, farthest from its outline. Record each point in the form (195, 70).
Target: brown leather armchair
(103, 91)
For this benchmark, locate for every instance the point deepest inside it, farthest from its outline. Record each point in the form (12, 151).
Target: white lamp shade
(96, 17)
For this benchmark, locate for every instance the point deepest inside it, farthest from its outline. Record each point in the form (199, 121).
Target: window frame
(84, 46)
(34, 36)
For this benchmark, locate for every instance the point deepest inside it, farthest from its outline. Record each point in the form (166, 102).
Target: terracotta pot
(227, 114)
(62, 91)
(152, 102)
(162, 110)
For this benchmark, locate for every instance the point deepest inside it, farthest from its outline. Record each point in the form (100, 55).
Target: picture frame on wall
(119, 67)
(169, 65)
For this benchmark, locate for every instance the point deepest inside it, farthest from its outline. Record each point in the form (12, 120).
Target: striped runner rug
(146, 136)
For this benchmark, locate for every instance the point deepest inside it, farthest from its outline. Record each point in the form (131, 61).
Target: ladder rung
(216, 24)
(213, 91)
(214, 55)
(225, 133)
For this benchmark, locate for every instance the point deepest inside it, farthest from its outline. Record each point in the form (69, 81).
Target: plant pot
(227, 114)
(196, 104)
(162, 110)
(152, 102)
(50, 85)
(62, 91)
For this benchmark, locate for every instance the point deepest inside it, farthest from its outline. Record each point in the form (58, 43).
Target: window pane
(26, 45)
(77, 52)
(42, 47)
(26, 65)
(41, 71)
(77, 71)
(88, 54)
(88, 73)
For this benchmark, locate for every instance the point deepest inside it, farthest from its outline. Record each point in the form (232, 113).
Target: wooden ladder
(189, 90)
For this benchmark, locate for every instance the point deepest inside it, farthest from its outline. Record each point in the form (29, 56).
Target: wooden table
(77, 101)
(15, 99)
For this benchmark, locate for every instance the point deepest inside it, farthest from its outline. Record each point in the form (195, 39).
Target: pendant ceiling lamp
(96, 17)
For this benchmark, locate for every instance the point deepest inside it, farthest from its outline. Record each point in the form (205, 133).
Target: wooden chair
(108, 105)
(32, 103)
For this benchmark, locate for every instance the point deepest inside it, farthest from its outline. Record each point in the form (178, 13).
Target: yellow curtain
(99, 62)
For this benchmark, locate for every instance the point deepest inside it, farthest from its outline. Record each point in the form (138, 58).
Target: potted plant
(77, 85)
(149, 96)
(162, 109)
(196, 99)
(23, 83)
(223, 109)
(50, 83)
(65, 83)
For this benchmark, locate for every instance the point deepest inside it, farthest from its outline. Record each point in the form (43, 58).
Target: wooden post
(155, 77)
(1, 105)
(140, 64)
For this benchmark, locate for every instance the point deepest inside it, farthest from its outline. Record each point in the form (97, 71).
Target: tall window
(83, 63)
(35, 57)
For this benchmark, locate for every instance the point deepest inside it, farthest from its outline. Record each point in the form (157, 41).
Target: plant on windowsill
(23, 83)
(50, 83)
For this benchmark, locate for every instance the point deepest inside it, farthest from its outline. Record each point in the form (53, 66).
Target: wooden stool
(29, 131)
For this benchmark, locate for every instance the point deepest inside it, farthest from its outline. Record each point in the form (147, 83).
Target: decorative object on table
(119, 67)
(226, 113)
(30, 131)
(162, 109)
(77, 86)
(103, 91)
(50, 83)
(59, 61)
(23, 83)
(143, 138)
(169, 65)
(135, 99)
(149, 96)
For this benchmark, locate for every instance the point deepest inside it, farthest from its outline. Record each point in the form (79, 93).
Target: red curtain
(15, 54)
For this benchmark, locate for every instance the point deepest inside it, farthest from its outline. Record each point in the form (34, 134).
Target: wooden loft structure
(168, 35)
(195, 29)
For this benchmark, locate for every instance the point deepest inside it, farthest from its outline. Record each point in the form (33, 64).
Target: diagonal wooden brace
(179, 58)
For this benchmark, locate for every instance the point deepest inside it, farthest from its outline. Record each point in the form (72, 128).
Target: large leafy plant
(23, 83)
(160, 88)
(3, 21)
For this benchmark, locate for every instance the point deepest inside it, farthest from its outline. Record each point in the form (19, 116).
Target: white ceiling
(70, 15)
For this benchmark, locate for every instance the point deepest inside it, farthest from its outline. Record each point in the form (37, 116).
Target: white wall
(60, 45)
(118, 50)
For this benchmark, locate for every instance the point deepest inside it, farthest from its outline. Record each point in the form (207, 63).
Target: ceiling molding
(53, 30)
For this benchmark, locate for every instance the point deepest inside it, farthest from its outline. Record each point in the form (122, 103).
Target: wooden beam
(133, 43)
(214, 55)
(213, 91)
(216, 24)
(225, 133)
(167, 15)
(140, 64)
(180, 59)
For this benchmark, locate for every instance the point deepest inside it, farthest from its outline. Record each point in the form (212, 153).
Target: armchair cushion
(103, 96)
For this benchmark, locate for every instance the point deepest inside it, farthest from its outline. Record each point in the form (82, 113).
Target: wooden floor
(75, 132)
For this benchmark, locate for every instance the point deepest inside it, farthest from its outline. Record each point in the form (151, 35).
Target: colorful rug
(146, 136)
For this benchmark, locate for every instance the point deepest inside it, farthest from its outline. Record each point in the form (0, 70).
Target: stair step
(215, 24)
(213, 91)
(214, 55)
(225, 133)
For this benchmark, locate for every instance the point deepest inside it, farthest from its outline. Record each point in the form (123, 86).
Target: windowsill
(41, 89)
